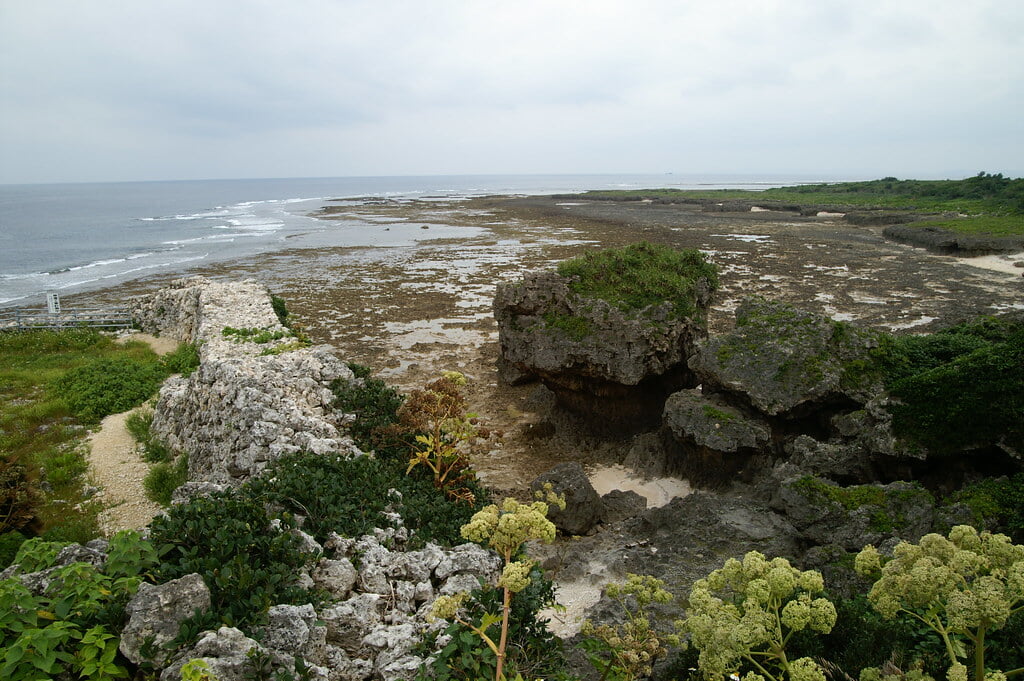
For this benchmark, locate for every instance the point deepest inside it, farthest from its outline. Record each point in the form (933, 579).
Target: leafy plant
(961, 587)
(960, 388)
(440, 411)
(347, 496)
(183, 360)
(164, 477)
(69, 628)
(108, 386)
(247, 562)
(138, 424)
(375, 406)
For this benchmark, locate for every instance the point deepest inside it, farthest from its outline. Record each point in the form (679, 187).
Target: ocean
(70, 238)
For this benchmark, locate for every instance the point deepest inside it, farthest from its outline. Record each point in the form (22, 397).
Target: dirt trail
(117, 468)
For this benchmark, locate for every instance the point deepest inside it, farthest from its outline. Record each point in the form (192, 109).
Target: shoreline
(412, 311)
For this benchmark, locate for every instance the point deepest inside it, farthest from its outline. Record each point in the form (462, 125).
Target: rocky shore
(751, 440)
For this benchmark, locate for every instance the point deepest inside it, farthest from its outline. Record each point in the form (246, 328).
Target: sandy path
(116, 466)
(118, 469)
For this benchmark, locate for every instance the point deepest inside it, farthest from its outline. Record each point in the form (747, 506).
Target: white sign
(53, 303)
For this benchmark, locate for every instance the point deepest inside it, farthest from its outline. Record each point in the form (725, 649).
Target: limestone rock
(242, 408)
(617, 371)
(852, 517)
(583, 508)
(783, 361)
(156, 612)
(225, 651)
(293, 630)
(619, 505)
(336, 577)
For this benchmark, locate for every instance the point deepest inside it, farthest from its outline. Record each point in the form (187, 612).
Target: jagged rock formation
(245, 405)
(612, 368)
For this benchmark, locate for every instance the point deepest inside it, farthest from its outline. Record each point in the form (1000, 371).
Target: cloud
(127, 90)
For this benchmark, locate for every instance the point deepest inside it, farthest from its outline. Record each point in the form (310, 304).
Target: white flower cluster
(748, 607)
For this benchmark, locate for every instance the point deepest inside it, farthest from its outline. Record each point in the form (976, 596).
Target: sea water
(69, 238)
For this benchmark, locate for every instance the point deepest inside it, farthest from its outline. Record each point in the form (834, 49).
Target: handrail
(22, 319)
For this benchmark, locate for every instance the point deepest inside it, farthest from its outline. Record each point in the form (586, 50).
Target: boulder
(612, 367)
(785, 362)
(155, 614)
(619, 505)
(293, 631)
(715, 441)
(852, 517)
(226, 652)
(583, 508)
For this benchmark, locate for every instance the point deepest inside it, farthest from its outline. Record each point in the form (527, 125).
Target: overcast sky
(182, 89)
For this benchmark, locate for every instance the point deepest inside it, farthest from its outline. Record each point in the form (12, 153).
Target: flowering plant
(748, 610)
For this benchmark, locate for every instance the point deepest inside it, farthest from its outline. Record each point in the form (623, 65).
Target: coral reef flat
(423, 304)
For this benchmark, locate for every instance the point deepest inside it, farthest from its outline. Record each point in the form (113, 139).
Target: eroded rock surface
(614, 369)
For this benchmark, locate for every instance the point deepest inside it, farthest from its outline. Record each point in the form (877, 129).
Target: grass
(992, 204)
(640, 275)
(38, 428)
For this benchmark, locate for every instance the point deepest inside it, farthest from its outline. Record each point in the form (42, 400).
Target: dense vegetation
(960, 388)
(634, 278)
(52, 386)
(994, 204)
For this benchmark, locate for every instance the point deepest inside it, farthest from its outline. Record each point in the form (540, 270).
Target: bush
(184, 360)
(534, 652)
(375, 405)
(138, 424)
(347, 496)
(960, 388)
(165, 477)
(69, 630)
(108, 386)
(247, 563)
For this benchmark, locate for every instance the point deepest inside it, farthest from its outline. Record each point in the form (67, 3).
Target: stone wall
(241, 408)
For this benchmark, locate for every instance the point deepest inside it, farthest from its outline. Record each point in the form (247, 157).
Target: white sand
(997, 263)
(657, 491)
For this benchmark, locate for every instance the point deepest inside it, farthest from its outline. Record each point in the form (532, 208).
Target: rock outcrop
(257, 394)
(370, 626)
(611, 367)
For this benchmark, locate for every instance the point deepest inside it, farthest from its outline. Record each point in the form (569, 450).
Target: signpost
(53, 302)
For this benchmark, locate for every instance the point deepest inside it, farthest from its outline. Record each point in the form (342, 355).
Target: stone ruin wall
(240, 409)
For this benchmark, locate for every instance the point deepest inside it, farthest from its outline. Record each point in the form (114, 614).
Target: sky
(199, 89)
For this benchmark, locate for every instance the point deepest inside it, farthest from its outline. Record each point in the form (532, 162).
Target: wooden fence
(23, 319)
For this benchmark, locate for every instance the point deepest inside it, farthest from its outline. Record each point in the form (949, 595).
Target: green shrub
(184, 360)
(534, 652)
(69, 630)
(280, 309)
(347, 496)
(640, 275)
(375, 405)
(975, 399)
(138, 424)
(108, 386)
(165, 477)
(999, 500)
(247, 563)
